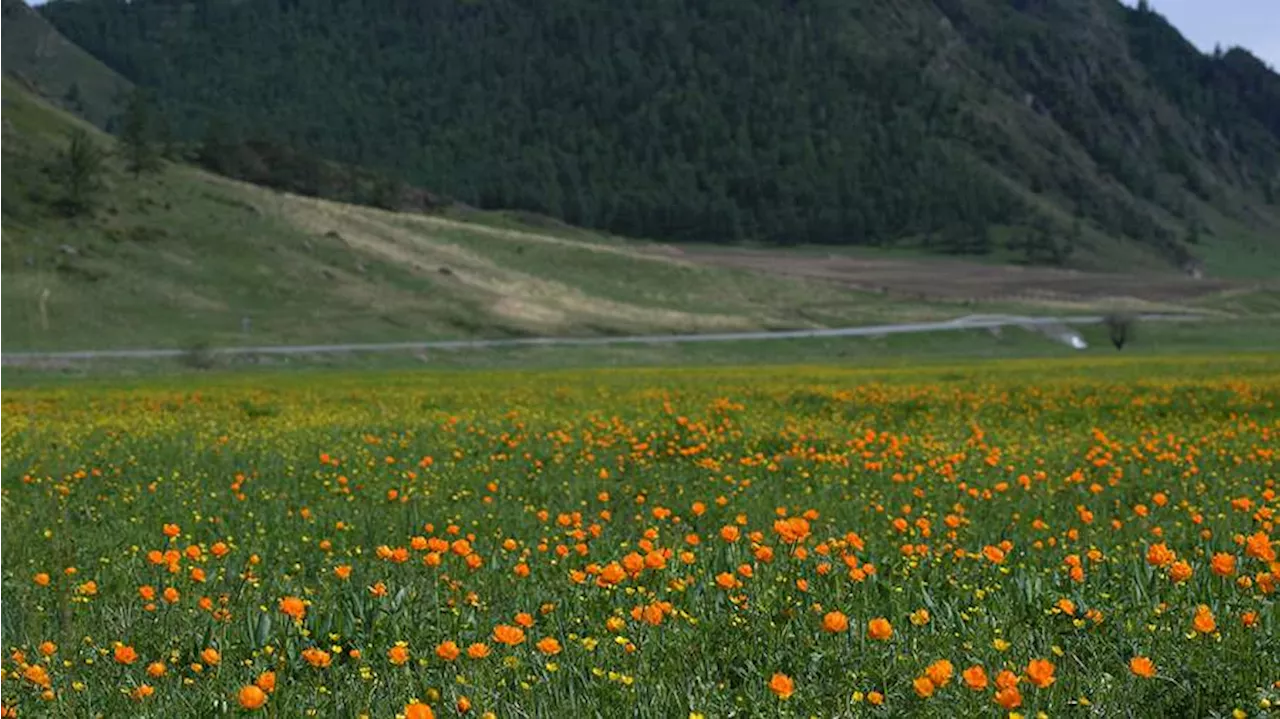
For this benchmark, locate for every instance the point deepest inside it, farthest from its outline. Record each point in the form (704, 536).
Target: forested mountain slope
(1053, 131)
(97, 256)
(41, 58)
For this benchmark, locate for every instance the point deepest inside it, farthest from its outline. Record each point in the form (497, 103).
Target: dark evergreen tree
(138, 134)
(387, 192)
(79, 169)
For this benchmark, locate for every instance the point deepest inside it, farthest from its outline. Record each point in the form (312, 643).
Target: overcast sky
(1252, 24)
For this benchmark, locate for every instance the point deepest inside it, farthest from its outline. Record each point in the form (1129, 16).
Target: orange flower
(294, 607)
(781, 685)
(418, 710)
(251, 697)
(38, 675)
(398, 654)
(142, 691)
(655, 560)
(172, 530)
(924, 687)
(1040, 672)
(48, 648)
(155, 670)
(1180, 571)
(792, 530)
(524, 619)
(266, 681)
(448, 650)
(1223, 564)
(940, 673)
(879, 629)
(1142, 667)
(507, 634)
(316, 657)
(1159, 555)
(125, 654)
(1203, 621)
(41, 579)
(611, 574)
(1009, 698)
(549, 646)
(211, 656)
(975, 677)
(993, 554)
(1006, 679)
(875, 699)
(835, 622)
(479, 650)
(729, 533)
(727, 581)
(1258, 546)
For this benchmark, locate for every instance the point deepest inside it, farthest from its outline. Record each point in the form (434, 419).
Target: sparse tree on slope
(79, 169)
(137, 135)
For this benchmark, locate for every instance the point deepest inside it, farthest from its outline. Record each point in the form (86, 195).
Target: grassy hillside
(182, 256)
(37, 54)
(1082, 133)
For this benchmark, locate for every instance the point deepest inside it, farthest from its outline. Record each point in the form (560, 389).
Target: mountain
(1055, 131)
(39, 56)
(180, 256)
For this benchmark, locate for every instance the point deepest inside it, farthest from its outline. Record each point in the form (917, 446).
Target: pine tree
(79, 168)
(217, 149)
(387, 193)
(137, 134)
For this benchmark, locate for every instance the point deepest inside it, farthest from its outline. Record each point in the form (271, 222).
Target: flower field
(1083, 539)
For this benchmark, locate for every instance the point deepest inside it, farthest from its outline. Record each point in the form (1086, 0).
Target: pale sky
(1251, 24)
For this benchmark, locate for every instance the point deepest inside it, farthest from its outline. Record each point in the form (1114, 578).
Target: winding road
(1057, 328)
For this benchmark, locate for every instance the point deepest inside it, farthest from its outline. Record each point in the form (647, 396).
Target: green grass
(1151, 340)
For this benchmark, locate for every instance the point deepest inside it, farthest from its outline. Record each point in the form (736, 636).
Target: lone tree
(137, 135)
(387, 192)
(1120, 327)
(79, 168)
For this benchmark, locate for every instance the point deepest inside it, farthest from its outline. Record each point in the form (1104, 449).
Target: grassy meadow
(1080, 537)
